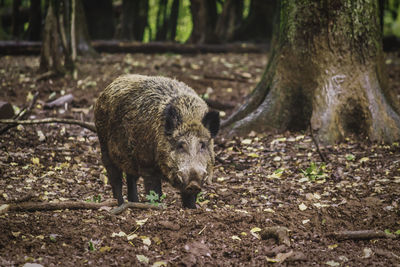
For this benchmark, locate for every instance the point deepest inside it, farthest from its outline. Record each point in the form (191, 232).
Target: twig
(280, 233)
(22, 114)
(87, 125)
(316, 144)
(135, 205)
(361, 235)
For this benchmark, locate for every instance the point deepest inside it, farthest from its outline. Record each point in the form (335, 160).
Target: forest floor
(261, 181)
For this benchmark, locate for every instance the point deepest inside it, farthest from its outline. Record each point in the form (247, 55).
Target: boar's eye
(202, 145)
(181, 146)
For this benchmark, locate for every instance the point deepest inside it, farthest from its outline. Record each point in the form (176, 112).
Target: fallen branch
(280, 233)
(115, 46)
(361, 235)
(21, 115)
(71, 205)
(46, 206)
(135, 205)
(87, 125)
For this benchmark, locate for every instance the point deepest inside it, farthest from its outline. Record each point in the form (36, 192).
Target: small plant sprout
(200, 197)
(154, 199)
(315, 172)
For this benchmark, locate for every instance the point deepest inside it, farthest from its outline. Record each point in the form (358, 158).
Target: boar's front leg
(153, 182)
(188, 200)
(132, 188)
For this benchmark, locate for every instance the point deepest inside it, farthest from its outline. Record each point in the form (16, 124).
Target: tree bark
(229, 20)
(82, 42)
(259, 24)
(100, 18)
(51, 56)
(35, 21)
(326, 69)
(173, 20)
(204, 17)
(16, 25)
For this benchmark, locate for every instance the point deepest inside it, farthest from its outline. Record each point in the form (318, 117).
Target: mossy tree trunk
(326, 69)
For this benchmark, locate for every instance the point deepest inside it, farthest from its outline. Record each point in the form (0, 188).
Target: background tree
(258, 26)
(229, 20)
(326, 70)
(100, 18)
(65, 27)
(133, 19)
(35, 21)
(204, 18)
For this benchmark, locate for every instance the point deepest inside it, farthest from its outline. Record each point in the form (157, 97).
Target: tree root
(280, 233)
(72, 205)
(321, 155)
(87, 125)
(135, 205)
(361, 235)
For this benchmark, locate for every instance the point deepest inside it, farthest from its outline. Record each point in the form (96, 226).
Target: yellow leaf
(333, 246)
(302, 207)
(246, 141)
(147, 241)
(36, 161)
(142, 259)
(253, 155)
(235, 237)
(159, 263)
(255, 229)
(118, 234)
(105, 249)
(141, 222)
(15, 234)
(364, 159)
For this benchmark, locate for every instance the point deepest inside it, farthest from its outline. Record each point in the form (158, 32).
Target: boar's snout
(192, 179)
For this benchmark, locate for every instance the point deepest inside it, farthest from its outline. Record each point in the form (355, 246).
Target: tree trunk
(83, 46)
(204, 17)
(258, 25)
(100, 18)
(173, 20)
(50, 55)
(162, 21)
(229, 20)
(326, 70)
(35, 21)
(16, 25)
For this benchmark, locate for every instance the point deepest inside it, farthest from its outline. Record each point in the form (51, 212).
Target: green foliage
(315, 172)
(96, 199)
(200, 197)
(91, 246)
(184, 27)
(391, 18)
(154, 199)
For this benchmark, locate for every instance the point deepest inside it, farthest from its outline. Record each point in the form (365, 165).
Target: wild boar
(159, 129)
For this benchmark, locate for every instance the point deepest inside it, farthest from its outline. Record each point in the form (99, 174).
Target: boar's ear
(211, 122)
(172, 119)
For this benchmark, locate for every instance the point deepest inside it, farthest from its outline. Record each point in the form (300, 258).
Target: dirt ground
(260, 181)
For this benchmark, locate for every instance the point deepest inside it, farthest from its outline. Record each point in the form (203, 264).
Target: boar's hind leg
(115, 176)
(188, 200)
(153, 182)
(132, 188)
